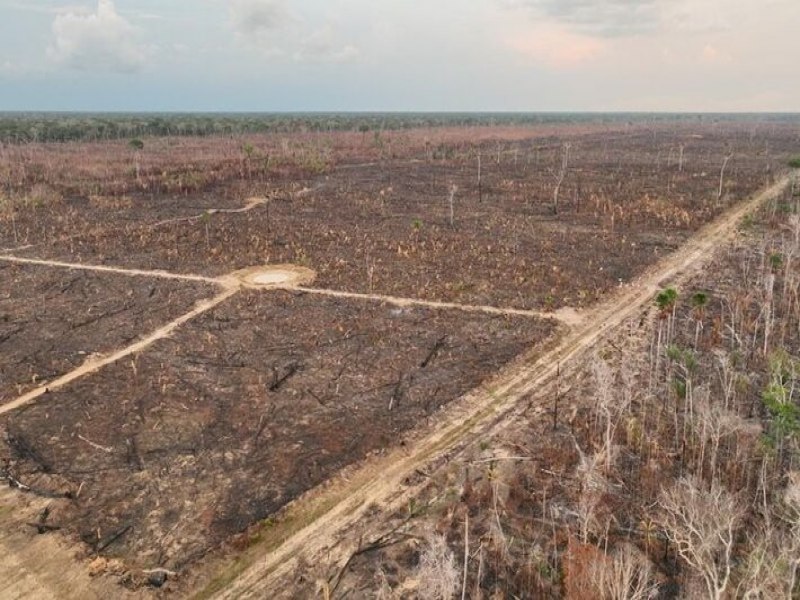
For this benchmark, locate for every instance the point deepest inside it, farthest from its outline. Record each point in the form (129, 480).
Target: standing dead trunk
(562, 173)
(722, 176)
(451, 202)
(480, 183)
(769, 293)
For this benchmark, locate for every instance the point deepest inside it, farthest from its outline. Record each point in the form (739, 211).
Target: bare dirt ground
(44, 566)
(384, 227)
(248, 405)
(329, 527)
(53, 319)
(215, 429)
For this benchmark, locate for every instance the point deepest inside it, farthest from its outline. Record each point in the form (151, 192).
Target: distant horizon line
(395, 112)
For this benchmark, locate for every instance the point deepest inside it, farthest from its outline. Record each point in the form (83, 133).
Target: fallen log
(114, 537)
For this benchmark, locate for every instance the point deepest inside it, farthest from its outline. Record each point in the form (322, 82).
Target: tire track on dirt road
(314, 528)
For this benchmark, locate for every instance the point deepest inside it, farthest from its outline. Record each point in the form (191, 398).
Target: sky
(400, 55)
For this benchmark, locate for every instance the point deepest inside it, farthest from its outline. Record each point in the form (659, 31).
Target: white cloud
(7, 67)
(99, 41)
(279, 33)
(623, 18)
(258, 17)
(607, 18)
(321, 45)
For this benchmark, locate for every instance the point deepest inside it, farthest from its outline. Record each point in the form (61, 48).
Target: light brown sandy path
(313, 529)
(403, 302)
(96, 363)
(107, 269)
(568, 316)
(249, 205)
(17, 249)
(41, 567)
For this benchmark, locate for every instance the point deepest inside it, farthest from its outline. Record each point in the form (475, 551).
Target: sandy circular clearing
(275, 276)
(272, 278)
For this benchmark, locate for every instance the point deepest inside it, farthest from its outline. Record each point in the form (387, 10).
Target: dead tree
(701, 523)
(722, 175)
(560, 175)
(451, 202)
(437, 572)
(772, 565)
(593, 488)
(625, 575)
(713, 423)
(610, 405)
(767, 308)
(480, 182)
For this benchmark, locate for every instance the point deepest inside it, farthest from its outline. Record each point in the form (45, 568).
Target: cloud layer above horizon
(304, 55)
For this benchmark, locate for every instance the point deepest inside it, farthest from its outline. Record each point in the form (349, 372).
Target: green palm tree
(666, 300)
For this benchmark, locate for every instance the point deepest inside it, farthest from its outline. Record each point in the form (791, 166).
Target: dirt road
(96, 363)
(398, 301)
(41, 567)
(106, 269)
(315, 528)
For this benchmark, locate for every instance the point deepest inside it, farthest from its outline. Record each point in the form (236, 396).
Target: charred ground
(163, 456)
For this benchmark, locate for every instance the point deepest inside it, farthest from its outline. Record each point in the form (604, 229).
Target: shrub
(43, 195)
(794, 162)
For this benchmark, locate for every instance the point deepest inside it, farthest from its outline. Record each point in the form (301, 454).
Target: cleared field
(384, 225)
(52, 320)
(242, 410)
(206, 420)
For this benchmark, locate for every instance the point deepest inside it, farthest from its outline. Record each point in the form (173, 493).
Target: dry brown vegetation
(51, 320)
(242, 411)
(193, 445)
(668, 468)
(378, 218)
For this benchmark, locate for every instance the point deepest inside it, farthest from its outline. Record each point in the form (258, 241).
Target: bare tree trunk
(722, 176)
(451, 202)
(561, 175)
(480, 182)
(770, 287)
(466, 557)
(138, 166)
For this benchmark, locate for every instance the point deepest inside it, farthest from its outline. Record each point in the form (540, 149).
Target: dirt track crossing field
(435, 335)
(229, 390)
